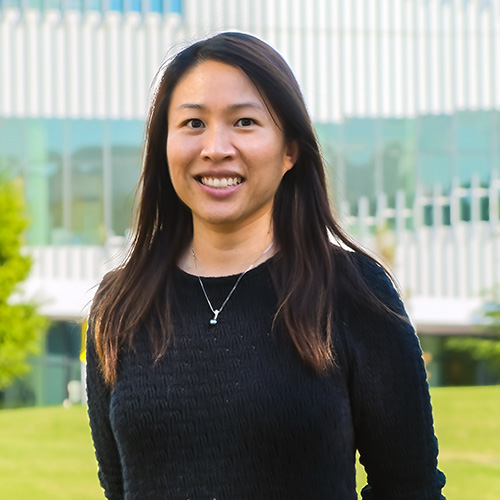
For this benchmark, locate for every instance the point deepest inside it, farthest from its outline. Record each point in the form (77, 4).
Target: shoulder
(106, 286)
(99, 300)
(108, 280)
(360, 270)
(374, 321)
(374, 274)
(365, 289)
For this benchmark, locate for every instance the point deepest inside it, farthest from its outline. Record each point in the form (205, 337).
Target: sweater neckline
(255, 271)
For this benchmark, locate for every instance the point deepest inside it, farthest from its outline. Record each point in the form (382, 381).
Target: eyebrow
(232, 107)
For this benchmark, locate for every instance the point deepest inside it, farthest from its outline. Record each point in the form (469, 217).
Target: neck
(222, 253)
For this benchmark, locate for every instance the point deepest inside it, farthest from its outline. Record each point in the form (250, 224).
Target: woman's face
(225, 151)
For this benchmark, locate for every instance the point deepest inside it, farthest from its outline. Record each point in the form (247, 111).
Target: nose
(217, 144)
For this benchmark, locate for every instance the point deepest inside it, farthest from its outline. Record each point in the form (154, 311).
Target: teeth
(221, 183)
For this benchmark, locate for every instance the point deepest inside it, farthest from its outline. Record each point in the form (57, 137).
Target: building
(404, 94)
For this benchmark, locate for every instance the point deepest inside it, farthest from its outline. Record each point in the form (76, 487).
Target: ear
(291, 156)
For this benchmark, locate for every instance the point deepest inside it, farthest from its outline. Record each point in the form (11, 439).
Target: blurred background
(405, 98)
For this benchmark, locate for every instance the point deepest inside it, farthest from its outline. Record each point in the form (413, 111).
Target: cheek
(180, 153)
(175, 160)
(171, 152)
(174, 168)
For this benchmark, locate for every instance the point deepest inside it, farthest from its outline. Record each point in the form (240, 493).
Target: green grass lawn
(467, 421)
(46, 453)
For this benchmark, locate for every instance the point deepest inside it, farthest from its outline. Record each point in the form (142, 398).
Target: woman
(238, 353)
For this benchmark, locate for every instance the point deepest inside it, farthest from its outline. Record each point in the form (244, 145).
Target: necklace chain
(216, 312)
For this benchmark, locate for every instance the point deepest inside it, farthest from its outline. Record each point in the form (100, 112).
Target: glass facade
(80, 175)
(373, 155)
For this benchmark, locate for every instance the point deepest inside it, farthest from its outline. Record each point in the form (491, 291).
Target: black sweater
(232, 412)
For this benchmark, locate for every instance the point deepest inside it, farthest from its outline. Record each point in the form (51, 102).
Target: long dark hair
(307, 270)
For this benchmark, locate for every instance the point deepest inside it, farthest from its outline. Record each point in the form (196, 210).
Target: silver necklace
(216, 312)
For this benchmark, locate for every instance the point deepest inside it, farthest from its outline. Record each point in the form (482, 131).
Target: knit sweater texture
(231, 412)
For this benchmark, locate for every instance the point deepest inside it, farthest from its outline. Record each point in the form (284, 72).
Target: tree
(21, 327)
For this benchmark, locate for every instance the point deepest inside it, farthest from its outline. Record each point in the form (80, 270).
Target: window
(359, 155)
(126, 149)
(86, 216)
(473, 131)
(397, 148)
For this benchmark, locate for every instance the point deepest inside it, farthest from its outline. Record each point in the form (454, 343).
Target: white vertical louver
(352, 57)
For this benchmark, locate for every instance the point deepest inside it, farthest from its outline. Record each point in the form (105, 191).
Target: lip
(218, 174)
(219, 192)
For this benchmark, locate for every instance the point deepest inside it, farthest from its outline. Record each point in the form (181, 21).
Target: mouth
(221, 182)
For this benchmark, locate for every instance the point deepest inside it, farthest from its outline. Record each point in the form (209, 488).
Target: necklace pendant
(213, 321)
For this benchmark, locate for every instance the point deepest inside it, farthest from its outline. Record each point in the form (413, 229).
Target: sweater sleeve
(106, 450)
(390, 401)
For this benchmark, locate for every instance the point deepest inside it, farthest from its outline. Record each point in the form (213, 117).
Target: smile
(221, 182)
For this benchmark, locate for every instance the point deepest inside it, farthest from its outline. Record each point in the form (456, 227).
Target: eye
(245, 122)
(195, 123)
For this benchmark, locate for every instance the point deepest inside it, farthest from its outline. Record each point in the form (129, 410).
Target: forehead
(214, 82)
